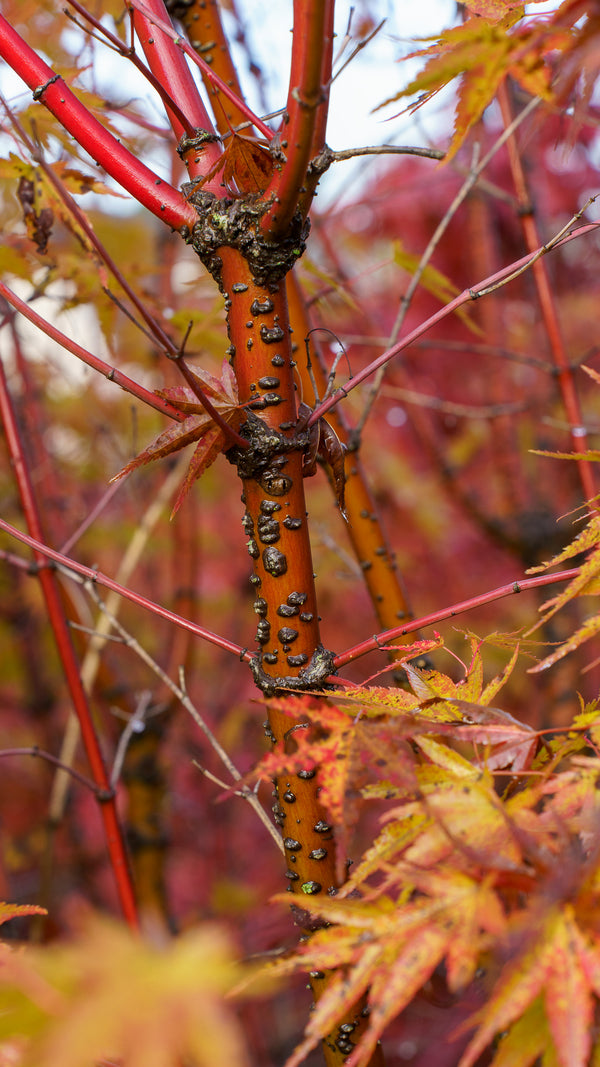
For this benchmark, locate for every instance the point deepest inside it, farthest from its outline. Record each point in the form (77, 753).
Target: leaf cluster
(494, 887)
(496, 41)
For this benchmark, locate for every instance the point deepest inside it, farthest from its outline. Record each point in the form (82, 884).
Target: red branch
(136, 598)
(474, 293)
(167, 63)
(130, 53)
(60, 628)
(152, 192)
(547, 301)
(98, 364)
(307, 102)
(510, 589)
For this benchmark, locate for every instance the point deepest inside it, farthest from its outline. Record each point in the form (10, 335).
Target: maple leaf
(197, 426)
(394, 950)
(553, 966)
(483, 52)
(585, 583)
(344, 751)
(247, 166)
(15, 911)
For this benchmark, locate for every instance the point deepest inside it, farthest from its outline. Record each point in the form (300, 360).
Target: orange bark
(276, 526)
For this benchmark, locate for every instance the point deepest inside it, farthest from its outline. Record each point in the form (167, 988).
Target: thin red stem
(49, 88)
(113, 375)
(167, 63)
(99, 578)
(566, 378)
(510, 589)
(473, 293)
(51, 593)
(130, 54)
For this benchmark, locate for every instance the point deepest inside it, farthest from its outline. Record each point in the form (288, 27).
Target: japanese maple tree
(472, 826)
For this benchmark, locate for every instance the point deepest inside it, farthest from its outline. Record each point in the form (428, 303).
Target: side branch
(510, 589)
(217, 82)
(72, 569)
(49, 88)
(111, 373)
(115, 842)
(547, 302)
(484, 288)
(308, 98)
(168, 65)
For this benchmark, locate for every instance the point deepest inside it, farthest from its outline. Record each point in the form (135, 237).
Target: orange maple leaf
(197, 426)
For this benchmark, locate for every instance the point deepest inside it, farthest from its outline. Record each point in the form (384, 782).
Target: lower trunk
(289, 654)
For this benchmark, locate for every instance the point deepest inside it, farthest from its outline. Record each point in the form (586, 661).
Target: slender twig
(33, 750)
(91, 516)
(385, 149)
(547, 302)
(359, 46)
(483, 288)
(462, 411)
(78, 572)
(90, 663)
(443, 344)
(476, 169)
(111, 373)
(54, 605)
(135, 724)
(510, 589)
(180, 692)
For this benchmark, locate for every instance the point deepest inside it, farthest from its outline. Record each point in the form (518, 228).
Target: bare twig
(180, 692)
(488, 285)
(33, 750)
(135, 725)
(79, 573)
(386, 149)
(510, 589)
(477, 167)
